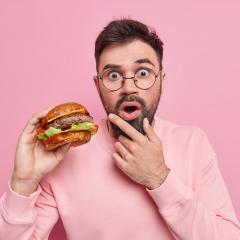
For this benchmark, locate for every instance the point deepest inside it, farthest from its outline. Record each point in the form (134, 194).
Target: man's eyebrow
(144, 60)
(139, 61)
(111, 66)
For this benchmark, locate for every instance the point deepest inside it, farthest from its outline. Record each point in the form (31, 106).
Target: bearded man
(141, 177)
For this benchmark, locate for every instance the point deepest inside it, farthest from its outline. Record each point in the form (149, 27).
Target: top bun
(64, 110)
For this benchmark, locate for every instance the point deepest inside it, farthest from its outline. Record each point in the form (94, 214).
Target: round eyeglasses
(144, 78)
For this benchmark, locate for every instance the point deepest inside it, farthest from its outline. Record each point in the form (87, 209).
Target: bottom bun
(76, 138)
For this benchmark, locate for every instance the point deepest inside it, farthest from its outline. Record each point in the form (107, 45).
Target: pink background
(47, 57)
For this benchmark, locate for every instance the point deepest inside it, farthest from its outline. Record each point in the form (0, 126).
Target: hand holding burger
(44, 142)
(66, 123)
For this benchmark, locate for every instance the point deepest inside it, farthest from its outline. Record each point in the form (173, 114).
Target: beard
(137, 123)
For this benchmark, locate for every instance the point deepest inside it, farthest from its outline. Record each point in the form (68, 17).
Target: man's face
(129, 102)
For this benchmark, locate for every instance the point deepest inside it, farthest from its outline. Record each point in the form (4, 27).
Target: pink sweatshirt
(96, 201)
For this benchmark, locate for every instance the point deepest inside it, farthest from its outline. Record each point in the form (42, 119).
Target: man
(141, 177)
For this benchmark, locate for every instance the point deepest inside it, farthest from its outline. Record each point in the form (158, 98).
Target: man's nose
(129, 86)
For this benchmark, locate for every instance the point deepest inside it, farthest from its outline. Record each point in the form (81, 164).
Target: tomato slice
(40, 131)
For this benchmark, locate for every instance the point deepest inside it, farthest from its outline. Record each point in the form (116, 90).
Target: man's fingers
(34, 122)
(29, 132)
(128, 144)
(148, 129)
(61, 151)
(122, 164)
(127, 128)
(122, 150)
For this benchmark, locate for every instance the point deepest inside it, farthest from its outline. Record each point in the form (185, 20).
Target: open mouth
(129, 110)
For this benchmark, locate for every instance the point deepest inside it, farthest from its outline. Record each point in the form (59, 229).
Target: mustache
(130, 98)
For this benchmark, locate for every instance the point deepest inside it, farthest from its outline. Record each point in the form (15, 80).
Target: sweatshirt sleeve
(206, 214)
(26, 218)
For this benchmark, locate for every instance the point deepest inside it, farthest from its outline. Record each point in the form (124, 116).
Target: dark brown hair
(126, 30)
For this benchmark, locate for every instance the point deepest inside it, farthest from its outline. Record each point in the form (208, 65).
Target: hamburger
(66, 123)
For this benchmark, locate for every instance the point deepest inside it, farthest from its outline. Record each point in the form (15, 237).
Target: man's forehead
(128, 54)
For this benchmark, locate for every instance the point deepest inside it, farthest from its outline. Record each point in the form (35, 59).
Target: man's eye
(142, 73)
(114, 75)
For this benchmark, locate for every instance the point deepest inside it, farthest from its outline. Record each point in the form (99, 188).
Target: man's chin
(136, 123)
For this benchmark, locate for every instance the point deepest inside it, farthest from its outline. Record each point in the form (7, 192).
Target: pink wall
(46, 57)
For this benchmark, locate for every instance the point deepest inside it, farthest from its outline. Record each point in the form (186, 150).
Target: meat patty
(65, 122)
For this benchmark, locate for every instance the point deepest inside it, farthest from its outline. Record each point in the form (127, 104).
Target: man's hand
(32, 160)
(140, 158)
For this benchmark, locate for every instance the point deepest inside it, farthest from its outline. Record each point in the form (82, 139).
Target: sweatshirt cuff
(16, 206)
(171, 193)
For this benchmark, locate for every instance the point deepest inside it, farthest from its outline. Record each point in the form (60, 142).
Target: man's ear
(95, 78)
(163, 79)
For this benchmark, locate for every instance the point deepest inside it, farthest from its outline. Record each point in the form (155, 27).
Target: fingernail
(111, 116)
(146, 122)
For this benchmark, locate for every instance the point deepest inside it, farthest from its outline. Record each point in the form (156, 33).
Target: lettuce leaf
(42, 136)
(52, 131)
(81, 126)
(75, 127)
